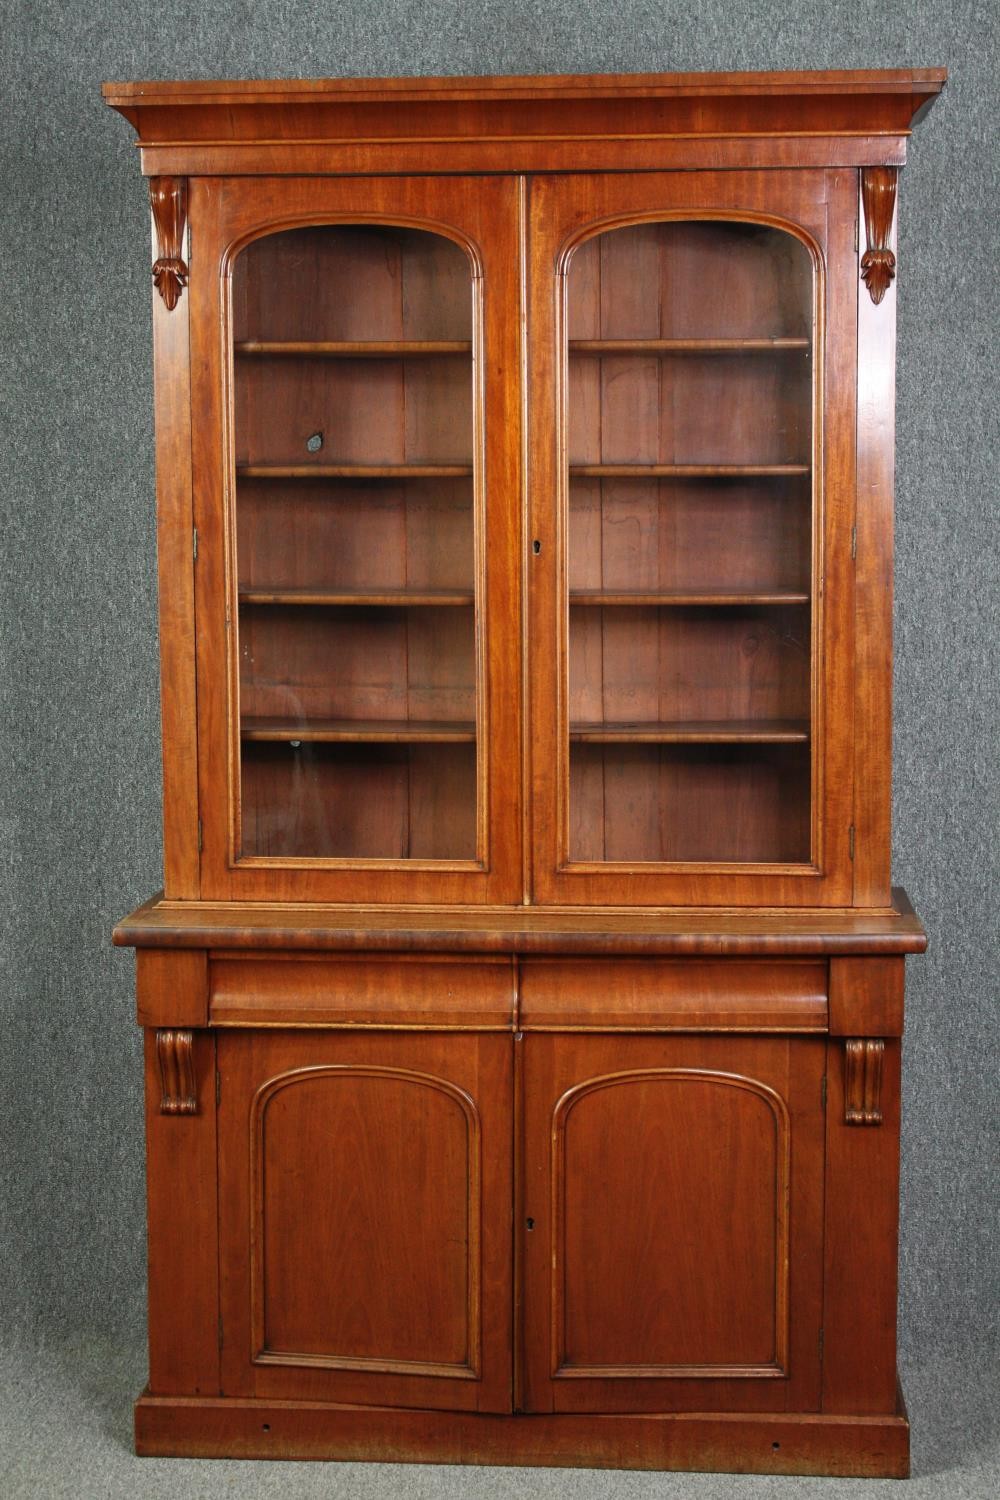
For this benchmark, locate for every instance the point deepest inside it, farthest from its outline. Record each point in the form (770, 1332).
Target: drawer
(441, 993)
(673, 995)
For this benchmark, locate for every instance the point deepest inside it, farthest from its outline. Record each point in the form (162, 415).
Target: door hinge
(201, 836)
(850, 841)
(855, 234)
(194, 543)
(218, 1086)
(220, 1331)
(821, 1342)
(854, 541)
(822, 1092)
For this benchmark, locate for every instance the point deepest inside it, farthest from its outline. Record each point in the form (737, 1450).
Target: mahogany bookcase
(523, 1005)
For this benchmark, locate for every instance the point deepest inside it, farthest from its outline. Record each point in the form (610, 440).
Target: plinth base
(742, 1443)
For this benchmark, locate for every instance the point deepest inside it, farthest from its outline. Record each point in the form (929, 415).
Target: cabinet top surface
(523, 930)
(879, 104)
(914, 81)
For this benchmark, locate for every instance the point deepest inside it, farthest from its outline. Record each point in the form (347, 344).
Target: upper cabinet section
(534, 436)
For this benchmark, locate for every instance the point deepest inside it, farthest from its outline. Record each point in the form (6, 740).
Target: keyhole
(315, 442)
(530, 1223)
(536, 546)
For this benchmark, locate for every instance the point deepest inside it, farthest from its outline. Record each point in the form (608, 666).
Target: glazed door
(365, 1219)
(672, 1223)
(691, 483)
(355, 368)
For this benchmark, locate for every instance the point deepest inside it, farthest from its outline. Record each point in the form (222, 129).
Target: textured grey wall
(79, 775)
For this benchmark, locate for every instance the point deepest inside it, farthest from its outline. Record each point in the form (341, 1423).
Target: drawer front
(388, 994)
(673, 995)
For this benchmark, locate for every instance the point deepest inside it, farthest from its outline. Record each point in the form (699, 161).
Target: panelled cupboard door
(365, 1217)
(672, 1230)
(355, 369)
(691, 482)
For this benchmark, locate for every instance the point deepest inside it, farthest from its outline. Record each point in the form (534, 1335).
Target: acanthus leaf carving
(863, 1060)
(878, 197)
(168, 199)
(175, 1056)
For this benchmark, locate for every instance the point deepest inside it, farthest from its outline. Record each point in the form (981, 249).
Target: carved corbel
(878, 197)
(168, 198)
(175, 1055)
(863, 1059)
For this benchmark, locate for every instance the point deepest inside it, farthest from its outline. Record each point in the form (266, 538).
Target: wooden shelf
(687, 346)
(357, 732)
(678, 598)
(368, 598)
(353, 471)
(686, 471)
(359, 349)
(694, 732)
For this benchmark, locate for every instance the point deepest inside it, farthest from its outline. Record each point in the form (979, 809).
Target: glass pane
(355, 545)
(689, 422)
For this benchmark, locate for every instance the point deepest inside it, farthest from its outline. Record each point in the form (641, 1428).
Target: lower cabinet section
(614, 1248)
(671, 1238)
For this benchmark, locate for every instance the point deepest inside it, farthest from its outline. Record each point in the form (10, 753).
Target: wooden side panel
(861, 1245)
(873, 585)
(365, 1198)
(673, 1223)
(175, 567)
(182, 1218)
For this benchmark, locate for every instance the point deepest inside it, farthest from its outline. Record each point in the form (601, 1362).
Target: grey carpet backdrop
(79, 774)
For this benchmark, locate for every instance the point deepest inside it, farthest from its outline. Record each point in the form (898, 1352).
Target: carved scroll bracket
(175, 1055)
(168, 198)
(878, 197)
(863, 1059)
